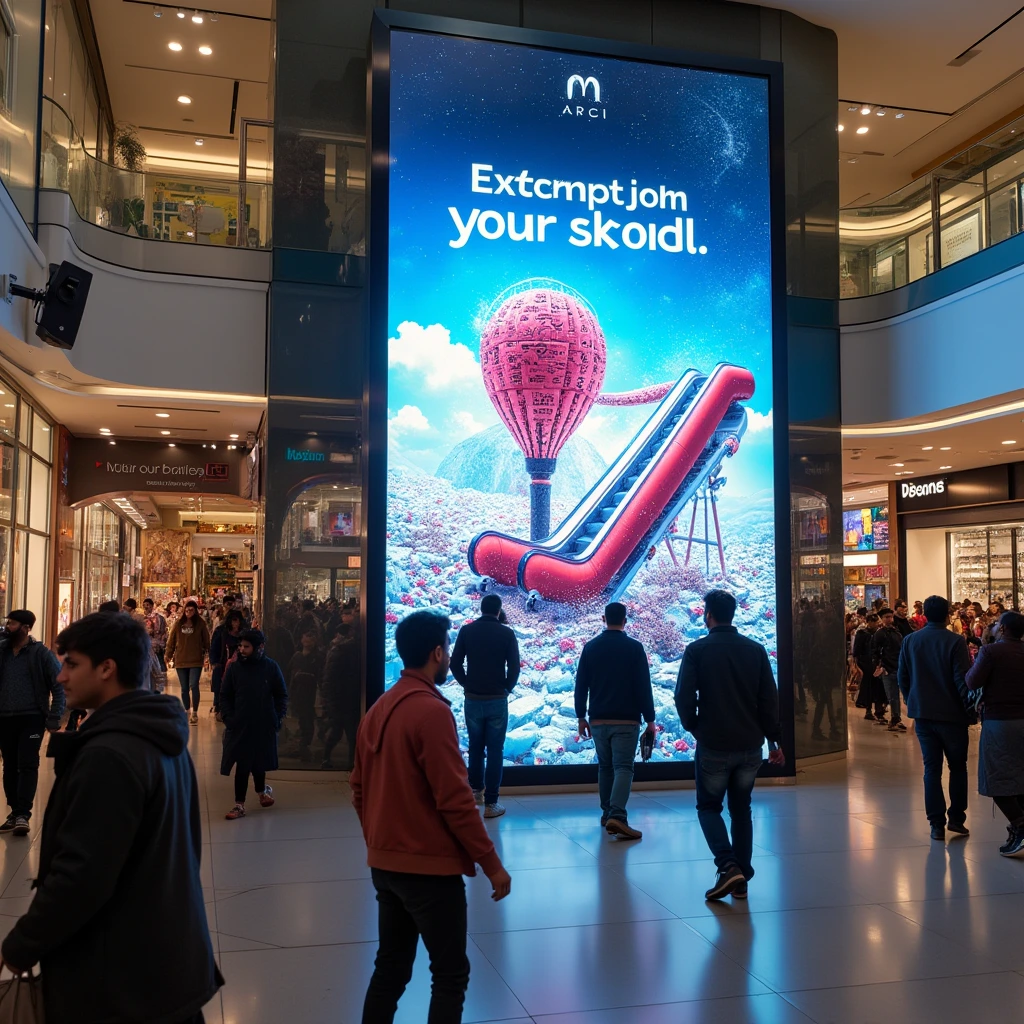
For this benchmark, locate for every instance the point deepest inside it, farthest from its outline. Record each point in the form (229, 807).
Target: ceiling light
(1009, 442)
(206, 50)
(8, 405)
(928, 448)
(899, 474)
(172, 445)
(839, 127)
(900, 116)
(862, 130)
(163, 415)
(104, 430)
(180, 13)
(199, 142)
(166, 433)
(880, 113)
(197, 18)
(213, 446)
(897, 464)
(213, 16)
(185, 99)
(852, 160)
(852, 107)
(945, 467)
(234, 437)
(157, 13)
(111, 442)
(865, 109)
(176, 47)
(946, 448)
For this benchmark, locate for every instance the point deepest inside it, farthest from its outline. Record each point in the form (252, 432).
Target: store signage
(97, 468)
(541, 258)
(954, 490)
(922, 490)
(303, 455)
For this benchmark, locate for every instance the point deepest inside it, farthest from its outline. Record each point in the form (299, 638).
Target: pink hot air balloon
(543, 358)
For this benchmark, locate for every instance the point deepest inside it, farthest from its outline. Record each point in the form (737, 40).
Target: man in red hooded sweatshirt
(422, 828)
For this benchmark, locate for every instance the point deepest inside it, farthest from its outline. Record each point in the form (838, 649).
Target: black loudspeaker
(60, 312)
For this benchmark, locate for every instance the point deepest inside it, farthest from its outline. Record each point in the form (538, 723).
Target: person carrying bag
(21, 998)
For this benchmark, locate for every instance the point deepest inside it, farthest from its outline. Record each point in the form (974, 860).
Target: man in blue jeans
(485, 662)
(932, 674)
(614, 678)
(727, 699)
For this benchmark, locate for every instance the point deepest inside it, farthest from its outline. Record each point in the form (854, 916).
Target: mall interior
(240, 413)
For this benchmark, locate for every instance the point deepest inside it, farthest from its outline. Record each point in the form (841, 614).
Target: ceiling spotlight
(171, 444)
(176, 47)
(199, 142)
(898, 465)
(163, 415)
(185, 99)
(862, 130)
(865, 109)
(1008, 442)
(852, 160)
(880, 113)
(111, 442)
(839, 127)
(945, 467)
(197, 18)
(234, 437)
(104, 430)
(946, 448)
(157, 13)
(900, 116)
(213, 16)
(180, 13)
(927, 448)
(899, 474)
(166, 433)
(206, 50)
(854, 107)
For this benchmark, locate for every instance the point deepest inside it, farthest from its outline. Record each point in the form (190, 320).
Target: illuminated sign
(580, 400)
(922, 490)
(303, 455)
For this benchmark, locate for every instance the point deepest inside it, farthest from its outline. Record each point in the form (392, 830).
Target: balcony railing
(162, 205)
(972, 202)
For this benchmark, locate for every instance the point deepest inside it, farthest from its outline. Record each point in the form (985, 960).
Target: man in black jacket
(885, 659)
(117, 924)
(614, 678)
(31, 701)
(727, 698)
(932, 674)
(485, 663)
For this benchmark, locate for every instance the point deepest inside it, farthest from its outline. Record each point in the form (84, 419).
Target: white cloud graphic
(430, 351)
(758, 421)
(408, 418)
(465, 424)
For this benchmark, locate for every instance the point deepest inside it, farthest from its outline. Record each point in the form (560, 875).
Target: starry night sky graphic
(459, 101)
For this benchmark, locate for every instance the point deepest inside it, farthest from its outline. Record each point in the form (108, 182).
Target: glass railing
(161, 205)
(972, 202)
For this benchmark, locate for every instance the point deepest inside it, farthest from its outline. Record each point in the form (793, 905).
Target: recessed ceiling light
(185, 99)
(945, 467)
(8, 405)
(900, 116)
(899, 474)
(157, 13)
(880, 113)
(111, 442)
(206, 50)
(862, 130)
(104, 430)
(176, 47)
(199, 142)
(213, 16)
(197, 18)
(899, 464)
(1008, 442)
(865, 109)
(171, 444)
(163, 415)
(927, 448)
(234, 437)
(946, 448)
(166, 433)
(852, 160)
(853, 106)
(180, 13)
(839, 128)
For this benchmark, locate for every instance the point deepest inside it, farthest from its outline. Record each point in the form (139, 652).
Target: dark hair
(130, 603)
(228, 597)
(173, 604)
(119, 637)
(720, 605)
(490, 605)
(231, 617)
(882, 612)
(148, 600)
(900, 603)
(308, 605)
(191, 604)
(862, 611)
(936, 609)
(312, 631)
(253, 636)
(1012, 623)
(24, 616)
(871, 617)
(418, 634)
(615, 614)
(109, 607)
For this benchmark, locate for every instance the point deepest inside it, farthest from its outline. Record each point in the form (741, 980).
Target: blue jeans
(189, 679)
(892, 695)
(486, 722)
(949, 739)
(616, 753)
(721, 773)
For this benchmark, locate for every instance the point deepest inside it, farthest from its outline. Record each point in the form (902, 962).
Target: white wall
(926, 564)
(19, 255)
(911, 365)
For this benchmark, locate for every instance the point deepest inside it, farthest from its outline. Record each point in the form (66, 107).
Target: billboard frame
(375, 395)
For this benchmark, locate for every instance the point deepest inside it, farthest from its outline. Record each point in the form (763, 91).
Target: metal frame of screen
(375, 396)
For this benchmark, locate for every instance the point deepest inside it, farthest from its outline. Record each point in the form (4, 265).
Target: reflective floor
(855, 914)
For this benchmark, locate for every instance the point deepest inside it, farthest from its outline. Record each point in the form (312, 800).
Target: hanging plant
(129, 152)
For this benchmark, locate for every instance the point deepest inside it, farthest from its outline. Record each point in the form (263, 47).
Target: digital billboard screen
(580, 360)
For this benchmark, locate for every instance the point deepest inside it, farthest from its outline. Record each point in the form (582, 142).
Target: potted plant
(126, 204)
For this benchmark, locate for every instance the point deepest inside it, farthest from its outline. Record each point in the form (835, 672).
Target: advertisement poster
(866, 529)
(579, 360)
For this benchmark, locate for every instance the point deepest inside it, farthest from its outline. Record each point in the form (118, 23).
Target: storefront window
(6, 480)
(42, 438)
(39, 506)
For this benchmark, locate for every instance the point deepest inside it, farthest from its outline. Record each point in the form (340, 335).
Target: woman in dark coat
(998, 672)
(223, 645)
(253, 703)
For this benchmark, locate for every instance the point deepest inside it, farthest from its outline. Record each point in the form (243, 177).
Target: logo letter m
(584, 85)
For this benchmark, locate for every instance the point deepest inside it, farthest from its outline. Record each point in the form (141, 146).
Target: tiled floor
(855, 915)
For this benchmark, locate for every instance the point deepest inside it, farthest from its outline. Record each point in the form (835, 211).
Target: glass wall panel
(19, 569)
(36, 583)
(39, 504)
(42, 438)
(5, 557)
(22, 494)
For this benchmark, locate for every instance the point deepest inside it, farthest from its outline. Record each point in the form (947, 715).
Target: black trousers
(21, 736)
(242, 772)
(344, 724)
(1012, 807)
(410, 907)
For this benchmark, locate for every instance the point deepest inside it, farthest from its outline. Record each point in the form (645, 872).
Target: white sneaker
(494, 810)
(478, 796)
